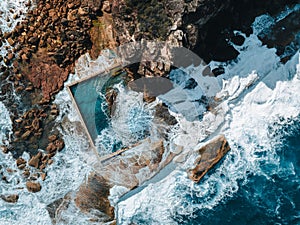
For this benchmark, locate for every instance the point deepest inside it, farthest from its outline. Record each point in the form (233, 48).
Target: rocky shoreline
(44, 49)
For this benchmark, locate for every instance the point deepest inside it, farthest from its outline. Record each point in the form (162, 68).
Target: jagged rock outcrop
(282, 36)
(175, 22)
(94, 195)
(129, 170)
(209, 155)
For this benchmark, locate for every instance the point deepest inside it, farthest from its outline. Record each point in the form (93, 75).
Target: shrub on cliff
(152, 17)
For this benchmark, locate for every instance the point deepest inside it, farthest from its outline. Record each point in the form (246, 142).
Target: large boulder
(33, 186)
(209, 155)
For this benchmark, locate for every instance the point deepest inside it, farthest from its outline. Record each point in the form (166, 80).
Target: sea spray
(12, 13)
(69, 170)
(246, 124)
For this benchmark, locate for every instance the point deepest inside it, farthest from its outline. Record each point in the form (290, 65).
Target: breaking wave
(257, 180)
(260, 110)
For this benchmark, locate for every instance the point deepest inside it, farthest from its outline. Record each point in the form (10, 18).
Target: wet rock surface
(214, 37)
(10, 198)
(94, 195)
(283, 35)
(42, 52)
(56, 33)
(53, 208)
(33, 186)
(209, 155)
(128, 170)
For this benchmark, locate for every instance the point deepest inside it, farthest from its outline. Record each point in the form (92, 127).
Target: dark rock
(10, 198)
(238, 40)
(52, 208)
(191, 84)
(218, 71)
(162, 112)
(33, 40)
(20, 161)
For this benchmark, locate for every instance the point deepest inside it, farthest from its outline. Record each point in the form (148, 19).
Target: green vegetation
(97, 23)
(152, 17)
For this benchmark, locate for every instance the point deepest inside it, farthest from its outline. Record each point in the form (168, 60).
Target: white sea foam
(69, 170)
(87, 66)
(8, 9)
(132, 117)
(246, 118)
(5, 124)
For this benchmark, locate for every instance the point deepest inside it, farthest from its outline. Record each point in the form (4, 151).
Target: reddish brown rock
(50, 161)
(94, 195)
(20, 161)
(45, 74)
(10, 41)
(24, 57)
(29, 88)
(36, 124)
(52, 138)
(26, 134)
(210, 155)
(4, 149)
(51, 147)
(43, 176)
(57, 145)
(10, 198)
(21, 167)
(33, 186)
(35, 160)
(60, 144)
(106, 7)
(10, 56)
(26, 173)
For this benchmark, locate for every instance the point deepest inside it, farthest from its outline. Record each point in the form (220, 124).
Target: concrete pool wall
(84, 95)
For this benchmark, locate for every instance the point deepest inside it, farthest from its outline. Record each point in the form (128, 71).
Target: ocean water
(258, 180)
(256, 183)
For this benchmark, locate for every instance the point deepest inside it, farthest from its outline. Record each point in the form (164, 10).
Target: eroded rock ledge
(175, 22)
(132, 168)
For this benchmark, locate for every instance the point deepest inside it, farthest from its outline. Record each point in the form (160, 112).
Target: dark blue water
(270, 199)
